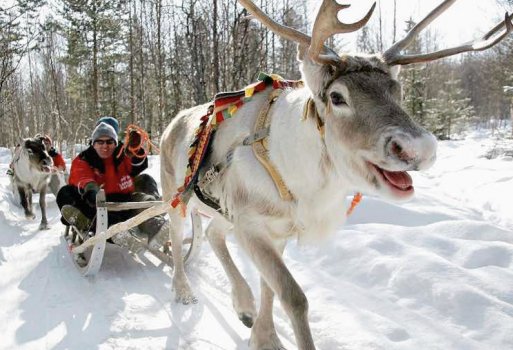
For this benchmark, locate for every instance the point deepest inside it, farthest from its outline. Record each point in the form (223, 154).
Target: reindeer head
(369, 138)
(37, 154)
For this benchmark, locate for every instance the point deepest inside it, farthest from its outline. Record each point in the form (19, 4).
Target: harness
(224, 107)
(258, 142)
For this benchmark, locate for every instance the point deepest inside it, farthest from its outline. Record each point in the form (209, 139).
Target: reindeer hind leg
(181, 284)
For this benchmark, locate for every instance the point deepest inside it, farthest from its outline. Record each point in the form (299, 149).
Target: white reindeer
(343, 132)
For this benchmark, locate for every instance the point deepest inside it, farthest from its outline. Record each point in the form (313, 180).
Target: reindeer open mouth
(46, 169)
(398, 182)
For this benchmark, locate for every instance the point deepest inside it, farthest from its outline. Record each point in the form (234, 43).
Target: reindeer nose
(396, 149)
(417, 152)
(47, 161)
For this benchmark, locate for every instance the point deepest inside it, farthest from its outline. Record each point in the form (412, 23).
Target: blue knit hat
(104, 130)
(111, 121)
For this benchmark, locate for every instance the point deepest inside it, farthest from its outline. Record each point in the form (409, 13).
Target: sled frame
(87, 251)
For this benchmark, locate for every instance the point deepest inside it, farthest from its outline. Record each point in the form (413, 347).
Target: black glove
(134, 139)
(90, 191)
(52, 152)
(90, 197)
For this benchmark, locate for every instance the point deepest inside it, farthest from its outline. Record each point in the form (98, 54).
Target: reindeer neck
(297, 146)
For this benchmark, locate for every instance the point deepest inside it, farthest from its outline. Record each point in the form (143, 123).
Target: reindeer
(32, 166)
(343, 132)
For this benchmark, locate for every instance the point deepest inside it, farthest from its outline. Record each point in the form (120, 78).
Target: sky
(435, 273)
(463, 21)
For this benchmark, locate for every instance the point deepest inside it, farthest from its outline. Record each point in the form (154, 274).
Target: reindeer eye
(337, 99)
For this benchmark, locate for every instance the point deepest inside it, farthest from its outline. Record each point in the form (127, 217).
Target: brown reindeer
(288, 176)
(32, 167)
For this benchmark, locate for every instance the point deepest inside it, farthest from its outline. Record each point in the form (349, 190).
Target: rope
(356, 200)
(145, 142)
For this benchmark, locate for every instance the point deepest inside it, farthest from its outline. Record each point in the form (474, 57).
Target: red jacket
(115, 174)
(58, 162)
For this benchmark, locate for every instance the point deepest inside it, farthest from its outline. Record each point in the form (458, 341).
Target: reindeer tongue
(400, 179)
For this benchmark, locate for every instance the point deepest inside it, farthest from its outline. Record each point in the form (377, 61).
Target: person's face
(104, 146)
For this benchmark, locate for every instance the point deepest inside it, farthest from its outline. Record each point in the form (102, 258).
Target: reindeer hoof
(266, 342)
(186, 299)
(246, 319)
(30, 216)
(183, 292)
(44, 226)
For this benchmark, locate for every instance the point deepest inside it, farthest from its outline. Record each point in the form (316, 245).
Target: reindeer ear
(315, 75)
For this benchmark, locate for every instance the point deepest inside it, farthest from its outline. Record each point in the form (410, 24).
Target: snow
(433, 273)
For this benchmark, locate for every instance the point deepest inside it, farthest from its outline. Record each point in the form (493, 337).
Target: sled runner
(87, 249)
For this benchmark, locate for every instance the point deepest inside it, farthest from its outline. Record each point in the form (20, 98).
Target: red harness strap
(356, 200)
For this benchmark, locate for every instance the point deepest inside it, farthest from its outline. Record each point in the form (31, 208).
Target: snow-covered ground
(433, 273)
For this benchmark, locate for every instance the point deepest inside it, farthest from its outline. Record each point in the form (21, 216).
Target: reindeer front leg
(42, 204)
(264, 334)
(279, 280)
(26, 204)
(242, 297)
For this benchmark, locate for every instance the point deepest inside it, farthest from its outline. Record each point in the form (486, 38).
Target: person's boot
(75, 217)
(156, 229)
(129, 240)
(159, 237)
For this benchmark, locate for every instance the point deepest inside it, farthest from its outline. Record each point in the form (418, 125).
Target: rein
(145, 142)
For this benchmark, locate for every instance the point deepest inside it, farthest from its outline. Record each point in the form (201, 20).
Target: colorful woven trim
(224, 107)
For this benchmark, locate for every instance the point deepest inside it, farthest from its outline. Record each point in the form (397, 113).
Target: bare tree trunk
(94, 81)
(55, 85)
(142, 95)
(511, 115)
(131, 64)
(395, 22)
(215, 53)
(380, 33)
(161, 83)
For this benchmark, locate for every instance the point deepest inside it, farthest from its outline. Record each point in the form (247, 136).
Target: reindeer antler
(393, 55)
(326, 24)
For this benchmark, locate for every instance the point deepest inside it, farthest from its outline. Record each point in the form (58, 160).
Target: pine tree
(16, 35)
(94, 32)
(414, 82)
(450, 111)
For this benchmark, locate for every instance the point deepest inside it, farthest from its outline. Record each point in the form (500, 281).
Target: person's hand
(90, 191)
(134, 139)
(52, 152)
(90, 197)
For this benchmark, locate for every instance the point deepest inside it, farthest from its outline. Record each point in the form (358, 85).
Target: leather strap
(261, 151)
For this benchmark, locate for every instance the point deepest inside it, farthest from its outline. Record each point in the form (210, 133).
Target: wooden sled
(87, 250)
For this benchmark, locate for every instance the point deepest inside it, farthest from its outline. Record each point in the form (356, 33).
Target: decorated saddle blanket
(224, 106)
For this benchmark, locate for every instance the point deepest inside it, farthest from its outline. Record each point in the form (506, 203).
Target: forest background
(64, 63)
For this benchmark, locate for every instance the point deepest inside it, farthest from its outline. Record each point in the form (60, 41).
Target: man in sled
(117, 169)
